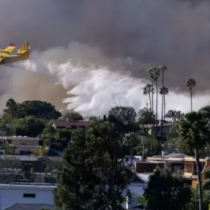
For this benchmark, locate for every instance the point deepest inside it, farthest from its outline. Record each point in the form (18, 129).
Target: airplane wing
(8, 50)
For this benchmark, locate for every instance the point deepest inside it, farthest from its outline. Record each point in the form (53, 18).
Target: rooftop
(28, 185)
(158, 125)
(63, 123)
(22, 138)
(29, 157)
(19, 206)
(174, 157)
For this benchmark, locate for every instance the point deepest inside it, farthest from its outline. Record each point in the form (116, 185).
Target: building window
(188, 168)
(29, 195)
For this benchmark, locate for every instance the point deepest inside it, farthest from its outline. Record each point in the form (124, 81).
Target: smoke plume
(98, 51)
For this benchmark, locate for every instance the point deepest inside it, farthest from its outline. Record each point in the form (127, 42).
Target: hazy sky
(174, 33)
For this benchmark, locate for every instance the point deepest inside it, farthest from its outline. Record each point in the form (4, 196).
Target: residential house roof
(158, 125)
(31, 207)
(174, 157)
(28, 157)
(66, 124)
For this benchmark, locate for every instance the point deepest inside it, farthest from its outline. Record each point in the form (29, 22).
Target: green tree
(28, 126)
(93, 174)
(194, 131)
(206, 183)
(56, 139)
(146, 116)
(11, 108)
(73, 116)
(131, 140)
(194, 203)
(124, 119)
(149, 90)
(191, 83)
(73, 179)
(106, 160)
(9, 149)
(163, 90)
(173, 115)
(125, 115)
(38, 109)
(166, 191)
(148, 146)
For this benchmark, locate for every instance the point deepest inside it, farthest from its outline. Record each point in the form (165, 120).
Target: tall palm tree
(163, 91)
(194, 131)
(154, 74)
(150, 73)
(149, 90)
(162, 70)
(191, 83)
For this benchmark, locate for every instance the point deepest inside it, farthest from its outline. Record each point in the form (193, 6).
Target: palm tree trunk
(191, 99)
(164, 113)
(200, 193)
(152, 96)
(156, 105)
(150, 102)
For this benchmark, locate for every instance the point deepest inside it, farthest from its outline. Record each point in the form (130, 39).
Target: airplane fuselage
(15, 58)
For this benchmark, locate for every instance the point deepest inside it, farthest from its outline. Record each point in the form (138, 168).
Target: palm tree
(130, 140)
(163, 91)
(148, 90)
(162, 70)
(191, 83)
(194, 131)
(154, 74)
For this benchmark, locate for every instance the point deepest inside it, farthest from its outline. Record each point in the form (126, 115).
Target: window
(188, 168)
(29, 195)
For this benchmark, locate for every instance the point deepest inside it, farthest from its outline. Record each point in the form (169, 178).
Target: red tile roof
(66, 124)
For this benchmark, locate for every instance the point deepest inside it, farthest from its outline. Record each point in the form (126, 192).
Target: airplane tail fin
(24, 48)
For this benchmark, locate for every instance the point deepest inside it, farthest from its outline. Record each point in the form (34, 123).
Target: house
(70, 124)
(14, 195)
(186, 165)
(22, 144)
(18, 168)
(31, 207)
(156, 129)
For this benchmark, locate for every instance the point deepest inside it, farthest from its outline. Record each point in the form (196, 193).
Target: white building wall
(136, 189)
(12, 194)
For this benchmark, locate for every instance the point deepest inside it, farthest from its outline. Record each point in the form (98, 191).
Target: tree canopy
(39, 109)
(93, 174)
(73, 116)
(28, 126)
(166, 191)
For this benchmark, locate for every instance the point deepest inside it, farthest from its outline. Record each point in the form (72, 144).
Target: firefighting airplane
(6, 55)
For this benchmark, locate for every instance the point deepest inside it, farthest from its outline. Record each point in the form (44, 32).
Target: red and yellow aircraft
(6, 55)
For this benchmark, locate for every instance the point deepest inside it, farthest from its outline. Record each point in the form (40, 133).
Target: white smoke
(95, 84)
